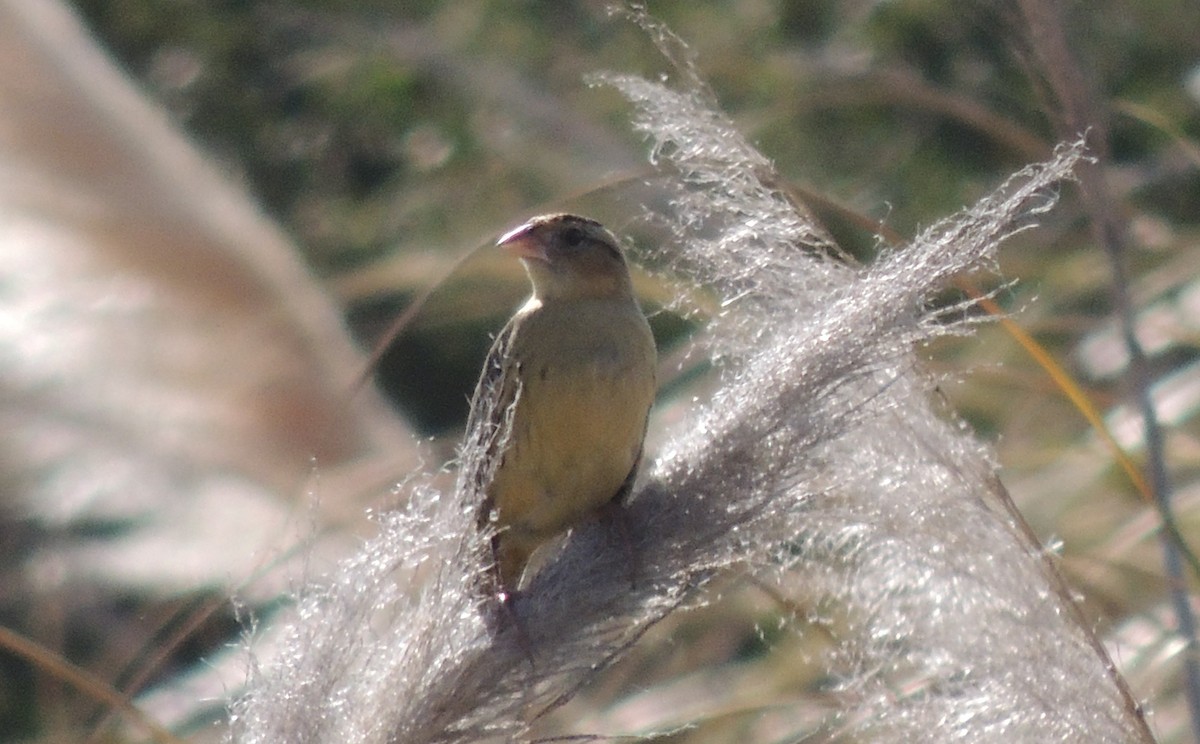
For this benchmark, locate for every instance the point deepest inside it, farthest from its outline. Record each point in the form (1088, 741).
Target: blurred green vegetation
(377, 131)
(391, 138)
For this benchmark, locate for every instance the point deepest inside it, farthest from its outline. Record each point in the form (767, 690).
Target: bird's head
(568, 256)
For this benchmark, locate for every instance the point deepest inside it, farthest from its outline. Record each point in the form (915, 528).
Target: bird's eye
(572, 237)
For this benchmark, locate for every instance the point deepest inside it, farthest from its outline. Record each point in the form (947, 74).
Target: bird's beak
(522, 243)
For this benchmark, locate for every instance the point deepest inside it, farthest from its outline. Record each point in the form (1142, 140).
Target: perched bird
(561, 405)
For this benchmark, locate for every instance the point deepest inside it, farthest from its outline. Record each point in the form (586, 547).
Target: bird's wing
(488, 424)
(627, 485)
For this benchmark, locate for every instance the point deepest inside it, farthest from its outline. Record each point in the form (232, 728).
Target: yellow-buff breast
(583, 374)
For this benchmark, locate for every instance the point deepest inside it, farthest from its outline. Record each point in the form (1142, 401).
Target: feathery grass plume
(898, 513)
(822, 456)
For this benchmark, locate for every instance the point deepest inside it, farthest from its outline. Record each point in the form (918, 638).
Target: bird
(559, 414)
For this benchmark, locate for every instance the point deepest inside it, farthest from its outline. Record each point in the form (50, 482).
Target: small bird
(561, 406)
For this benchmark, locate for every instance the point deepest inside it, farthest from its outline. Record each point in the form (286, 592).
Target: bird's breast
(586, 377)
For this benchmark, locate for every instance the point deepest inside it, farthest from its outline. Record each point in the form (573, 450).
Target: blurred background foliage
(390, 139)
(384, 136)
